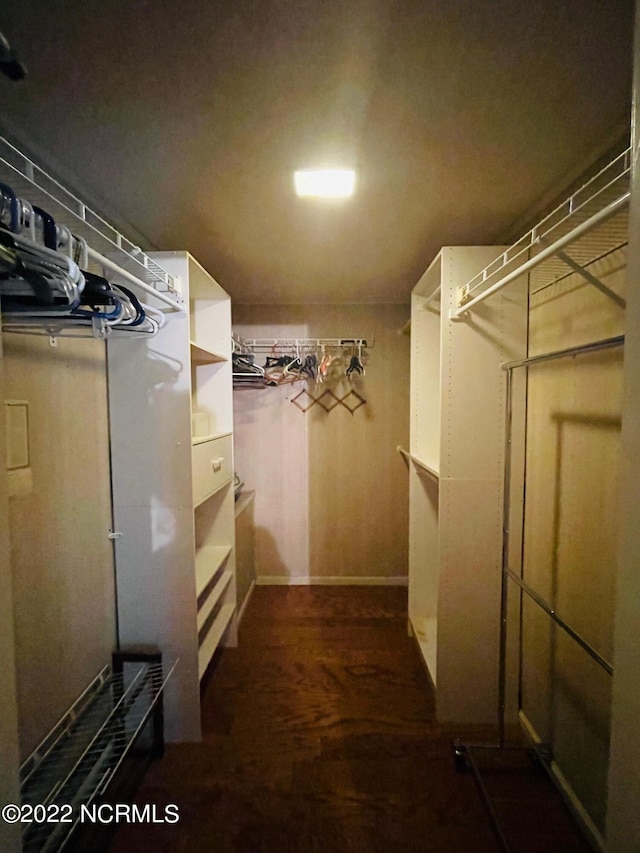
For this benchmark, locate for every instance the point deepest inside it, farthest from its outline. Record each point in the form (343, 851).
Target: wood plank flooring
(319, 737)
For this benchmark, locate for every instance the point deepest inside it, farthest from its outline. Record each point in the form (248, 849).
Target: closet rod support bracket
(591, 279)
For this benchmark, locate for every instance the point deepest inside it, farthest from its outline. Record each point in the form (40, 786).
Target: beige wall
(9, 758)
(61, 557)
(573, 447)
(331, 490)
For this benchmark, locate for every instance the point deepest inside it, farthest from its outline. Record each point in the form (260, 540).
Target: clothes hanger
(98, 294)
(294, 365)
(139, 315)
(40, 276)
(310, 366)
(80, 251)
(9, 208)
(245, 372)
(325, 364)
(355, 365)
(27, 218)
(49, 230)
(244, 362)
(41, 281)
(17, 280)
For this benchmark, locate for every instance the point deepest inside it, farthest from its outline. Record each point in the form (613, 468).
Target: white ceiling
(184, 121)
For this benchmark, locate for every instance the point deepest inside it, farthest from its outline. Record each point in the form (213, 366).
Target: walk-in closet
(319, 517)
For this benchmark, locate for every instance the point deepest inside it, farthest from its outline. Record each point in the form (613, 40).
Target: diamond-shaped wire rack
(333, 400)
(352, 407)
(304, 393)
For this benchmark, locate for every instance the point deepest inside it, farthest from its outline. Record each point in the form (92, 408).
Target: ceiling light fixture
(325, 183)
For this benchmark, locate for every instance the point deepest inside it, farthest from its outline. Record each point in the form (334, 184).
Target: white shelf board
(213, 637)
(200, 355)
(244, 501)
(218, 488)
(421, 466)
(200, 439)
(209, 558)
(213, 598)
(428, 285)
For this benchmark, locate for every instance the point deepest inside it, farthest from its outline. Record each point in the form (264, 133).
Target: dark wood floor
(319, 737)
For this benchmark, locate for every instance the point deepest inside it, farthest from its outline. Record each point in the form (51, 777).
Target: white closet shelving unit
(456, 462)
(155, 540)
(212, 452)
(469, 316)
(172, 474)
(172, 456)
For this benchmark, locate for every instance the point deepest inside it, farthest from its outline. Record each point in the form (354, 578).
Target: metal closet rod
(573, 235)
(605, 343)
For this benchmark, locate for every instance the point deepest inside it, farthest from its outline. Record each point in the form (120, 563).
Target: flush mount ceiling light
(324, 183)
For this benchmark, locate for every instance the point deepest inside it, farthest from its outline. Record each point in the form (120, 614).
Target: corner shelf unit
(455, 466)
(172, 457)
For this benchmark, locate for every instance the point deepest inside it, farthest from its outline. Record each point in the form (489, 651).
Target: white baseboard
(246, 601)
(318, 580)
(565, 787)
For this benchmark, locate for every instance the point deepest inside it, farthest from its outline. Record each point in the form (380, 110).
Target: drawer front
(212, 466)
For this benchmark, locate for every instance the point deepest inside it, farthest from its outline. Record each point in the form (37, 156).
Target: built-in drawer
(212, 466)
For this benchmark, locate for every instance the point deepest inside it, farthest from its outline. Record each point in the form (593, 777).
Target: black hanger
(355, 366)
(10, 201)
(49, 231)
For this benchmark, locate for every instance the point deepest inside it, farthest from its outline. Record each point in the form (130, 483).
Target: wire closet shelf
(75, 763)
(311, 360)
(107, 247)
(267, 345)
(593, 222)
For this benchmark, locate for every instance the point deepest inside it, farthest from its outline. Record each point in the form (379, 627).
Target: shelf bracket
(592, 279)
